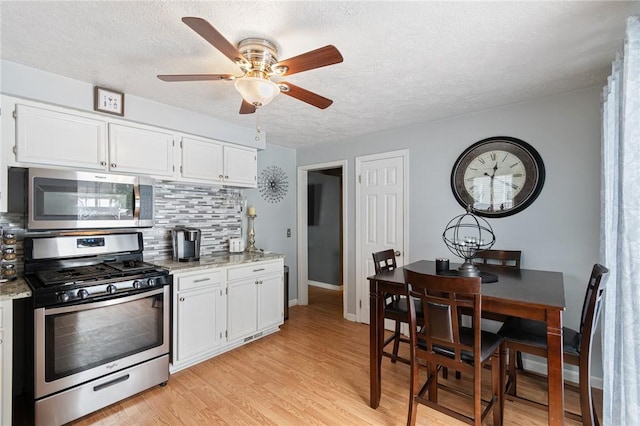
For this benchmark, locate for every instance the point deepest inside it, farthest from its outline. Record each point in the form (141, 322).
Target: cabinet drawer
(199, 280)
(258, 268)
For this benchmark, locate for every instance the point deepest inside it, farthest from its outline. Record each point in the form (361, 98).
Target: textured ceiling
(404, 62)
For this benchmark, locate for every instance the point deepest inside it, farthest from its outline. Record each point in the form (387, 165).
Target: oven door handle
(111, 383)
(102, 303)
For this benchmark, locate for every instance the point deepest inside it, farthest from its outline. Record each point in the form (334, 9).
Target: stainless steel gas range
(101, 322)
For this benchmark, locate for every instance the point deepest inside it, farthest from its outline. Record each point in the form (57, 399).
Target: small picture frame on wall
(109, 101)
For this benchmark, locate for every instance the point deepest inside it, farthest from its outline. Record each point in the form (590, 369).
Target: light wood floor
(314, 371)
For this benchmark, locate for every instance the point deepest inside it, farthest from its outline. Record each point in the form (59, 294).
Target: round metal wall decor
(273, 184)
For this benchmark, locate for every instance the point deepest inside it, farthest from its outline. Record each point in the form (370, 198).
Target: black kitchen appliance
(186, 244)
(101, 322)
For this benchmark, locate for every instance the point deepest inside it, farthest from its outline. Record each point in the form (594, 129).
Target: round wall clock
(498, 176)
(273, 184)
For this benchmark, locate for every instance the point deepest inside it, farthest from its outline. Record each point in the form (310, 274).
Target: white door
(380, 216)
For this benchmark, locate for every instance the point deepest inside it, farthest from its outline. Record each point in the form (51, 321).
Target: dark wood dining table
(525, 293)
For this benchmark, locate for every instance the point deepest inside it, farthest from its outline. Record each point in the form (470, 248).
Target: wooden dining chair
(502, 258)
(444, 342)
(395, 309)
(531, 337)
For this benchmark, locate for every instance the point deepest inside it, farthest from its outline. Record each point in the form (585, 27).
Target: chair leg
(519, 363)
(512, 373)
(497, 374)
(587, 408)
(413, 387)
(396, 342)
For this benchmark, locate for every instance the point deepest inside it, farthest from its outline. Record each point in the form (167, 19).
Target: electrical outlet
(288, 232)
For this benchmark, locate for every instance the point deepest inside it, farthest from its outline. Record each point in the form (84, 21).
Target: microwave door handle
(136, 201)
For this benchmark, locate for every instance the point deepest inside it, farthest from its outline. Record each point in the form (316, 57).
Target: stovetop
(93, 272)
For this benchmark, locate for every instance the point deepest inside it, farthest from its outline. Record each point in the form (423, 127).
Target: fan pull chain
(258, 129)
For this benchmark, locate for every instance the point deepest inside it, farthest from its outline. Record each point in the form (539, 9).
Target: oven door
(75, 344)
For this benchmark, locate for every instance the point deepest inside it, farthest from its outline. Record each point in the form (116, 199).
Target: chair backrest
(591, 307)
(384, 260)
(503, 258)
(443, 298)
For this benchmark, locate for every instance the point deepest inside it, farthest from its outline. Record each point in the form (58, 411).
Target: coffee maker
(186, 244)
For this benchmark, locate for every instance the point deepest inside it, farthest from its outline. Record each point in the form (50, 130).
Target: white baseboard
(350, 317)
(325, 285)
(293, 302)
(570, 371)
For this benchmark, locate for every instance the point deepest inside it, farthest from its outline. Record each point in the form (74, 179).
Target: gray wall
(274, 218)
(559, 231)
(324, 237)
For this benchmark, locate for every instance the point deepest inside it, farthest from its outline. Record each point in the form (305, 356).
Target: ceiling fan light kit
(258, 59)
(258, 91)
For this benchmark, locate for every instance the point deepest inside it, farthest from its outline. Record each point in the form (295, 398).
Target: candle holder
(252, 234)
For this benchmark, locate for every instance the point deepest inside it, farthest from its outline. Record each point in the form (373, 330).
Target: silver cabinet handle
(220, 176)
(182, 299)
(226, 177)
(113, 165)
(103, 163)
(258, 270)
(201, 280)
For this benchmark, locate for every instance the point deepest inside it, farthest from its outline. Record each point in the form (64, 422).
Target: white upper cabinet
(49, 137)
(140, 150)
(202, 160)
(212, 161)
(240, 166)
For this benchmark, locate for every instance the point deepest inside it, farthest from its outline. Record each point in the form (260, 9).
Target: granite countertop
(217, 260)
(15, 289)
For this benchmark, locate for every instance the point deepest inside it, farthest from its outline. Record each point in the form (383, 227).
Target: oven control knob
(111, 289)
(83, 294)
(63, 297)
(137, 284)
(152, 282)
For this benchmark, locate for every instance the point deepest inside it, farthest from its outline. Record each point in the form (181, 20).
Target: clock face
(498, 176)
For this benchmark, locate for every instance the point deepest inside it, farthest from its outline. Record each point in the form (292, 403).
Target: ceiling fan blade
(196, 77)
(304, 95)
(318, 58)
(247, 108)
(217, 40)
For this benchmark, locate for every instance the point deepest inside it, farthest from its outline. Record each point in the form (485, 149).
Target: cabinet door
(54, 138)
(241, 308)
(270, 301)
(202, 160)
(240, 166)
(198, 328)
(140, 151)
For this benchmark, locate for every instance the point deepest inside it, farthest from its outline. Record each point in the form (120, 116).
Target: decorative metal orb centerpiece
(467, 235)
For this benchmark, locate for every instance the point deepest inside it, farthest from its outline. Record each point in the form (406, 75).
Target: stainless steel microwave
(67, 199)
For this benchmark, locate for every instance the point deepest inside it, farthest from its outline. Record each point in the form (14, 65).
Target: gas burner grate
(80, 273)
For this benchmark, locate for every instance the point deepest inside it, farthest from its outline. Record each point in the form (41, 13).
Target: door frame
(303, 238)
(361, 294)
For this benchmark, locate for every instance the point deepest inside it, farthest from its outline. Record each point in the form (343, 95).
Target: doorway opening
(322, 229)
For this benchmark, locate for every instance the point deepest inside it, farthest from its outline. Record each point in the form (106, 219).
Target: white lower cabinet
(240, 302)
(199, 316)
(255, 299)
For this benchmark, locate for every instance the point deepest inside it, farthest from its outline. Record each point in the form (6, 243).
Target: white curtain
(620, 233)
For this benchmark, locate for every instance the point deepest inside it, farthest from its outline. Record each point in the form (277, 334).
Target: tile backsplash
(216, 211)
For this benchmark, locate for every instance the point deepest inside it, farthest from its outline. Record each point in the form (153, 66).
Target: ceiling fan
(258, 59)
